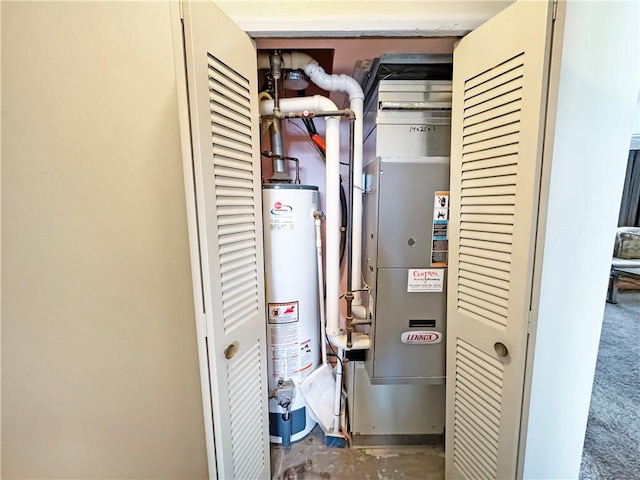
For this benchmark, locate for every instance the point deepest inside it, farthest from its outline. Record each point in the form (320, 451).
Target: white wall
(597, 87)
(99, 358)
(273, 18)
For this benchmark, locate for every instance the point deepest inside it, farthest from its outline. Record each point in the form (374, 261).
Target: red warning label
(283, 312)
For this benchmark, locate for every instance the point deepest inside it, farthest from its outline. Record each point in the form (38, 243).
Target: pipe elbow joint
(359, 311)
(359, 341)
(298, 60)
(351, 87)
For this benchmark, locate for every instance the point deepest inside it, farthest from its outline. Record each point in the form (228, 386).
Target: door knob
(231, 350)
(501, 349)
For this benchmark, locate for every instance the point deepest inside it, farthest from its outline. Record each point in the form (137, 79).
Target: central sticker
(425, 280)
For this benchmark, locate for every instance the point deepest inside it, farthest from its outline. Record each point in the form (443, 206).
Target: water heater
(291, 279)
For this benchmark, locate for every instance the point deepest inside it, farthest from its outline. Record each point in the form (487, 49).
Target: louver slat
(492, 106)
(487, 246)
(478, 392)
(233, 229)
(490, 154)
(236, 217)
(235, 196)
(488, 237)
(484, 253)
(231, 210)
(498, 170)
(227, 83)
(482, 464)
(490, 281)
(223, 201)
(508, 86)
(485, 442)
(227, 113)
(497, 293)
(480, 218)
(227, 72)
(220, 127)
(500, 267)
(482, 82)
(491, 190)
(233, 144)
(230, 154)
(504, 121)
(507, 200)
(234, 164)
(479, 465)
(246, 420)
(508, 107)
(489, 181)
(230, 106)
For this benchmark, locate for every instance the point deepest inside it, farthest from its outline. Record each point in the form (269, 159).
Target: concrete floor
(310, 459)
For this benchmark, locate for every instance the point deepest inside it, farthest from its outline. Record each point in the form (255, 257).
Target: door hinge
(182, 10)
(555, 9)
(529, 322)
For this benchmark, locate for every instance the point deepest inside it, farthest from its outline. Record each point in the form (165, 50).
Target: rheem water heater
(291, 278)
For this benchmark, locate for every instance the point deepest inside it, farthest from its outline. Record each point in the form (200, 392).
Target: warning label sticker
(283, 333)
(305, 358)
(440, 237)
(290, 355)
(286, 361)
(283, 312)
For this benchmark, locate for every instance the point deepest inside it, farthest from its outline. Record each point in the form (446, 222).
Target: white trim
(323, 26)
(356, 18)
(635, 142)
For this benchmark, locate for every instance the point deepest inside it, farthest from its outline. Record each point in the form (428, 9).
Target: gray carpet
(612, 442)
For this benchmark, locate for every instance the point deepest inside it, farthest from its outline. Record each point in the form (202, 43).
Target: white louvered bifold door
(499, 95)
(221, 76)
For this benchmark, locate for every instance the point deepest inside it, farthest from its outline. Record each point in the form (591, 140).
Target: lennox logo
(421, 337)
(280, 209)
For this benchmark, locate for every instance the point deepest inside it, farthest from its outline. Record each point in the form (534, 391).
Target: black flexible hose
(311, 127)
(343, 224)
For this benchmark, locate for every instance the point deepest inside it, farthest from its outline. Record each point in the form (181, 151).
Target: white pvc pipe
(337, 397)
(360, 341)
(332, 225)
(357, 105)
(323, 342)
(344, 83)
(316, 103)
(340, 83)
(332, 203)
